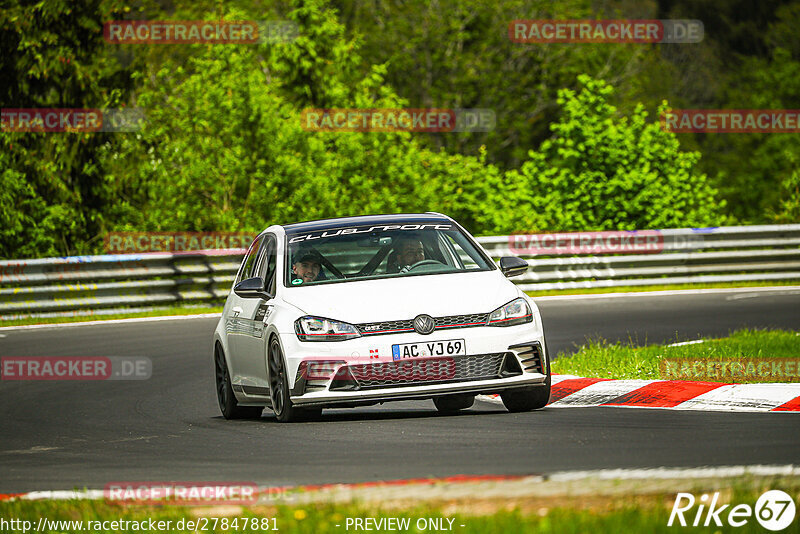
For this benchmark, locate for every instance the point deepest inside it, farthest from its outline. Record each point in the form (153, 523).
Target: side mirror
(252, 288)
(513, 266)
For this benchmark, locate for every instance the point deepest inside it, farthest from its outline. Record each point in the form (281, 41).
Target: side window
(249, 263)
(267, 267)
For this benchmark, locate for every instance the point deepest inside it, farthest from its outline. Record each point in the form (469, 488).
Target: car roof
(339, 222)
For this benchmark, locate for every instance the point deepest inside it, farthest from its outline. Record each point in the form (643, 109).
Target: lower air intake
(531, 358)
(428, 371)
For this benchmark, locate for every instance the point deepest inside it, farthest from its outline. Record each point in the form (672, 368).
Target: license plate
(429, 349)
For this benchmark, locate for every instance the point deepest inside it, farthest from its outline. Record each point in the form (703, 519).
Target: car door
(236, 327)
(254, 317)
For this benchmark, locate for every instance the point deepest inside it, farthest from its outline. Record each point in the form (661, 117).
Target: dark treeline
(577, 144)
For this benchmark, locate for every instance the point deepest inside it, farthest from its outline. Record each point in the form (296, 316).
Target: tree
(749, 59)
(600, 171)
(224, 147)
(451, 54)
(54, 57)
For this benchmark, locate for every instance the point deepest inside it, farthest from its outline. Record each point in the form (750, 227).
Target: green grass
(662, 287)
(644, 513)
(174, 310)
(599, 358)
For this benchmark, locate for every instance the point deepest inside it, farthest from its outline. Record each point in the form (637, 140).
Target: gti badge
(423, 324)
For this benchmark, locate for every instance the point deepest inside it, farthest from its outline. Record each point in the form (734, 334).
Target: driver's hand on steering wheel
(409, 268)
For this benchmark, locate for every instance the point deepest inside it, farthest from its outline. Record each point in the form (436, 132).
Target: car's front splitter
(419, 392)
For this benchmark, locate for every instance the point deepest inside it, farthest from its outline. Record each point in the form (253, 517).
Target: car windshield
(379, 251)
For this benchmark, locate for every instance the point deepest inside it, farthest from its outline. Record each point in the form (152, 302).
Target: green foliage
(53, 56)
(317, 68)
(789, 204)
(224, 146)
(452, 54)
(456, 54)
(749, 59)
(761, 169)
(601, 171)
(21, 228)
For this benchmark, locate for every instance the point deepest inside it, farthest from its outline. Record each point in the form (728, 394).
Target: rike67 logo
(774, 510)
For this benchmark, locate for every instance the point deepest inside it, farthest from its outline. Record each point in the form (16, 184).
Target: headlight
(320, 329)
(515, 312)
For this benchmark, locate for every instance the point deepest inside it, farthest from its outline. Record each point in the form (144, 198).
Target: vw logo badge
(423, 324)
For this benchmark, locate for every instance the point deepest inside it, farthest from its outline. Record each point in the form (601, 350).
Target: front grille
(462, 321)
(440, 323)
(425, 371)
(385, 327)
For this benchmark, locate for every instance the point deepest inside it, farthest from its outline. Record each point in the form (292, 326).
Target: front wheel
(285, 411)
(529, 398)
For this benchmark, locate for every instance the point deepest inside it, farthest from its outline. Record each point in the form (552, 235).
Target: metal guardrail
(105, 284)
(686, 255)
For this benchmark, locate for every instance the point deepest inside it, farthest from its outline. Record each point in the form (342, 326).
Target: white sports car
(360, 310)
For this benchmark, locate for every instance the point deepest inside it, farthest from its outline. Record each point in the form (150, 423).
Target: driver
(409, 252)
(307, 265)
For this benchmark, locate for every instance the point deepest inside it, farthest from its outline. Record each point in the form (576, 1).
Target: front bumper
(496, 359)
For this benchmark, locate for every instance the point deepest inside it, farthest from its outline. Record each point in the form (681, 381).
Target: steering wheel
(424, 262)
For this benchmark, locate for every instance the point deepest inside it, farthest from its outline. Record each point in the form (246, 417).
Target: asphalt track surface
(64, 435)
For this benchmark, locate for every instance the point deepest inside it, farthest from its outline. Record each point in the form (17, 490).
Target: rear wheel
(530, 397)
(454, 403)
(285, 411)
(227, 400)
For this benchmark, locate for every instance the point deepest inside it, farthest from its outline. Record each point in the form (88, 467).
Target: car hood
(404, 298)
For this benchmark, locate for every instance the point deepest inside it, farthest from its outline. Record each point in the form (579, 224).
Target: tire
(530, 397)
(282, 405)
(227, 400)
(454, 403)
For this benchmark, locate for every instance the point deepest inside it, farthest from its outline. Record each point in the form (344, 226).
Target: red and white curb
(575, 391)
